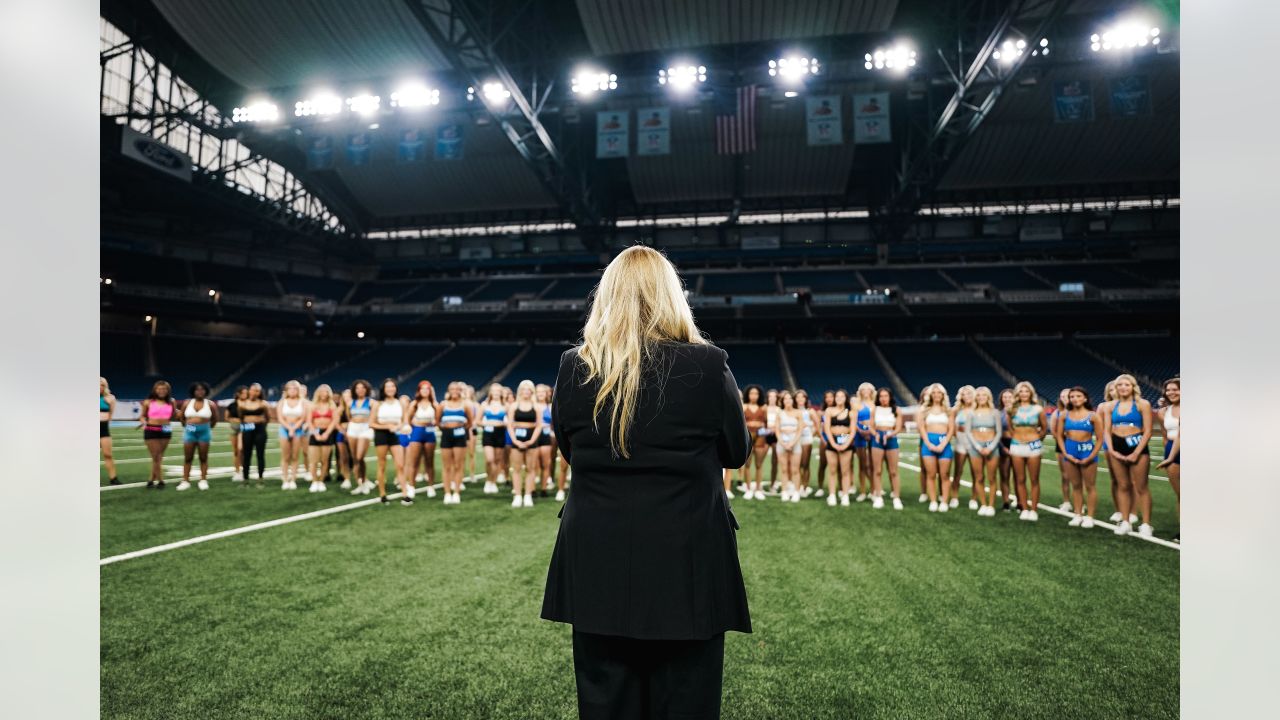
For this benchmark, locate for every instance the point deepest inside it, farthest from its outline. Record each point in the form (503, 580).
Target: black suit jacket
(647, 546)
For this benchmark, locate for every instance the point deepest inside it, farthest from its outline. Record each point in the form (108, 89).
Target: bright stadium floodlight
(495, 94)
(590, 81)
(793, 69)
(897, 58)
(414, 95)
(1130, 34)
(324, 103)
(256, 111)
(364, 104)
(360, 334)
(682, 77)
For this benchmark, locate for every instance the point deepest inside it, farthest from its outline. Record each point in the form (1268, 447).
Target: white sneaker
(973, 504)
(184, 485)
(358, 489)
(1124, 528)
(1146, 531)
(203, 484)
(808, 490)
(819, 493)
(431, 491)
(237, 478)
(410, 491)
(528, 500)
(933, 506)
(742, 487)
(831, 501)
(368, 487)
(923, 498)
(346, 484)
(1116, 517)
(943, 507)
(861, 497)
(877, 503)
(844, 501)
(320, 486)
(502, 478)
(1033, 516)
(897, 503)
(516, 501)
(1132, 518)
(1087, 522)
(1023, 515)
(728, 495)
(560, 495)
(1065, 506)
(774, 487)
(785, 496)
(955, 503)
(311, 488)
(284, 486)
(795, 497)
(1076, 521)
(760, 495)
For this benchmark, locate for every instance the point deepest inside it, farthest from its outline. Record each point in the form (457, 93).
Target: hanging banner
(410, 148)
(359, 146)
(319, 152)
(1072, 101)
(449, 141)
(153, 153)
(871, 118)
(612, 133)
(653, 136)
(1130, 96)
(822, 120)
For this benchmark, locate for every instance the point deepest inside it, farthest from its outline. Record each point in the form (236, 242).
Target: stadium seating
(137, 268)
(473, 364)
(296, 360)
(319, 288)
(755, 363)
(1003, 277)
(183, 360)
(504, 288)
(122, 361)
(239, 280)
(950, 362)
(572, 288)
(920, 280)
(1155, 357)
(1050, 365)
(818, 281)
(733, 283)
(819, 367)
(1099, 276)
(390, 360)
(540, 365)
(383, 289)
(431, 290)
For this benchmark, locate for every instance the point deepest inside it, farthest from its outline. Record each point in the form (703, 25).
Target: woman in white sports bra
(421, 452)
(787, 425)
(388, 417)
(807, 439)
(198, 419)
(1171, 419)
(960, 447)
(937, 427)
(291, 412)
(886, 423)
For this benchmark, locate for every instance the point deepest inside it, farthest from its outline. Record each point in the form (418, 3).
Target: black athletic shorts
(544, 439)
(385, 437)
(157, 434)
(332, 440)
(496, 438)
(448, 437)
(1122, 446)
(104, 428)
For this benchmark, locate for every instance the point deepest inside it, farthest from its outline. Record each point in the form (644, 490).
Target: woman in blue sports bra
(1128, 430)
(1026, 418)
(546, 467)
(493, 423)
(106, 408)
(863, 401)
(1077, 429)
(1051, 413)
(455, 420)
(1171, 419)
(937, 427)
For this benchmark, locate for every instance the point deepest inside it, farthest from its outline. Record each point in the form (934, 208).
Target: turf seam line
(1063, 513)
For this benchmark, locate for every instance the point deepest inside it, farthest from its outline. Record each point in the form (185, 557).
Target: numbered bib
(1085, 447)
(246, 427)
(762, 432)
(488, 428)
(522, 432)
(1035, 445)
(459, 432)
(194, 428)
(1133, 440)
(841, 439)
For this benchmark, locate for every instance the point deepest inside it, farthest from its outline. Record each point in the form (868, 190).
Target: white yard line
(1056, 511)
(250, 528)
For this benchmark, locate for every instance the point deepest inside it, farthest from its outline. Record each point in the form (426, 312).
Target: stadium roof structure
(533, 158)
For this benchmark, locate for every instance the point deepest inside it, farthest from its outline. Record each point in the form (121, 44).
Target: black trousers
(255, 439)
(625, 678)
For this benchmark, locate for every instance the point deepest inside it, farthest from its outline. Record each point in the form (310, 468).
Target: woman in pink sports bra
(158, 411)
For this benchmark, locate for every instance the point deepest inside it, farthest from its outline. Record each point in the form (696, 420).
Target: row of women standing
(513, 427)
(999, 440)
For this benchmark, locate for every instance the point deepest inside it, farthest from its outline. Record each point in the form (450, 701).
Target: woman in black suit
(645, 565)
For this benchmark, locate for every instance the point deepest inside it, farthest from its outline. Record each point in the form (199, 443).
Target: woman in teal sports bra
(1026, 418)
(106, 408)
(1128, 430)
(983, 430)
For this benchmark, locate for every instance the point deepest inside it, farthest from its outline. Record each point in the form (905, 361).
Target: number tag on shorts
(1133, 440)
(1035, 445)
(247, 427)
(841, 439)
(521, 432)
(488, 428)
(459, 432)
(762, 432)
(1085, 447)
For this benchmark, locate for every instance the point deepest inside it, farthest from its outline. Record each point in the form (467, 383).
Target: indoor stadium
(345, 247)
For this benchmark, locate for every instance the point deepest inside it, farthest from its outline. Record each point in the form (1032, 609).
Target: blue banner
(612, 133)
(319, 152)
(1130, 96)
(410, 147)
(653, 133)
(822, 120)
(449, 142)
(1072, 101)
(359, 146)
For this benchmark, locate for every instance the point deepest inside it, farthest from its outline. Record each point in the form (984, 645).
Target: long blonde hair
(638, 304)
(926, 398)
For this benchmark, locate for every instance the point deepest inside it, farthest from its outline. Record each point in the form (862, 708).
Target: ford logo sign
(159, 154)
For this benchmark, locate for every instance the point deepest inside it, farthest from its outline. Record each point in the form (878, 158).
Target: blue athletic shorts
(422, 435)
(300, 432)
(404, 439)
(198, 433)
(859, 440)
(878, 441)
(1078, 450)
(338, 437)
(935, 438)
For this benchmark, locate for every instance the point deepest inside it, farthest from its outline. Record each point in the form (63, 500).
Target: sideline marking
(257, 526)
(1063, 513)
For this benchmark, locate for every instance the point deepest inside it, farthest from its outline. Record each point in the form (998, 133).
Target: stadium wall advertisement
(156, 154)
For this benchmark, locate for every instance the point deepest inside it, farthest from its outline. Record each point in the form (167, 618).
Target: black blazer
(647, 545)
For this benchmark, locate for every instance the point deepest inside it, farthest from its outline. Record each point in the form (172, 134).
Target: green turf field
(432, 611)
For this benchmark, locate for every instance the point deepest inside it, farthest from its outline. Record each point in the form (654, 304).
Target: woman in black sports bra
(524, 424)
(838, 424)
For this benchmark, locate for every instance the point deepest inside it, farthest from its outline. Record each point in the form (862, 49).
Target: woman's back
(646, 547)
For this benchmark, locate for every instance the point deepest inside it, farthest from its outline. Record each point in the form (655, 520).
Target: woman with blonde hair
(456, 417)
(786, 427)
(1104, 407)
(807, 440)
(322, 421)
(291, 413)
(106, 408)
(421, 449)
(493, 421)
(1128, 430)
(982, 433)
(546, 445)
(937, 427)
(648, 414)
(864, 399)
(960, 446)
(1027, 419)
(524, 425)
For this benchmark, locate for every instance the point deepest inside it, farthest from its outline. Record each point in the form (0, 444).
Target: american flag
(736, 123)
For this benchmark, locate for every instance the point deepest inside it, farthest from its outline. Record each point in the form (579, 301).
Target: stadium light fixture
(360, 334)
(256, 111)
(323, 103)
(146, 318)
(1127, 35)
(495, 94)
(898, 58)
(682, 77)
(364, 104)
(1012, 49)
(589, 81)
(793, 69)
(414, 95)
(212, 292)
